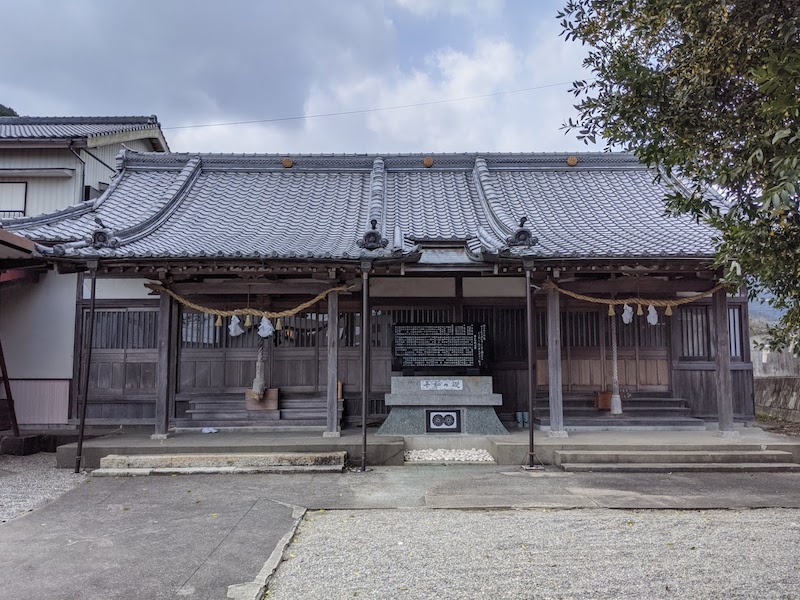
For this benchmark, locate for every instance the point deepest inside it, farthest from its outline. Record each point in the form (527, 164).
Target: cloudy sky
(195, 62)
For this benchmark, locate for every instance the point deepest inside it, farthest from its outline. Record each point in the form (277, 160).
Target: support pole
(365, 352)
(332, 428)
(554, 364)
(616, 400)
(9, 397)
(162, 368)
(87, 361)
(531, 368)
(723, 364)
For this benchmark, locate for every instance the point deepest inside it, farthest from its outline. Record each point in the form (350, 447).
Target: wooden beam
(724, 379)
(645, 285)
(163, 366)
(554, 364)
(237, 286)
(332, 428)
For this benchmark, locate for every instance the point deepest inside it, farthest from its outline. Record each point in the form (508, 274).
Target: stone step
(757, 467)
(606, 421)
(271, 424)
(670, 456)
(294, 414)
(280, 461)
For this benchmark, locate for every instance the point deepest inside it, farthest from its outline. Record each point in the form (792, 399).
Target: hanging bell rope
(612, 302)
(243, 311)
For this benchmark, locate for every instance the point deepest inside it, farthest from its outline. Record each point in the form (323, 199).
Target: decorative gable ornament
(522, 236)
(373, 238)
(102, 237)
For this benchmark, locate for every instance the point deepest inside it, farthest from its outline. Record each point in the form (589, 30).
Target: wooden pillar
(554, 364)
(723, 359)
(332, 428)
(163, 367)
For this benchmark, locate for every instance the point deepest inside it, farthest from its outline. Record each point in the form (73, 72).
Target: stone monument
(441, 389)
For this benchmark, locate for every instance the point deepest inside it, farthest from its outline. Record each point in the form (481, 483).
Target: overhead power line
(371, 110)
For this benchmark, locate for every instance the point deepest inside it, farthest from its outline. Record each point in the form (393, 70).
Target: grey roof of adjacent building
(361, 207)
(31, 129)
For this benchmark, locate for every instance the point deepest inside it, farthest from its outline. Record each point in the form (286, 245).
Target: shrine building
(496, 290)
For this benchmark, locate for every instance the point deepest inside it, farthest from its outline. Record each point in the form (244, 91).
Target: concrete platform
(384, 450)
(509, 449)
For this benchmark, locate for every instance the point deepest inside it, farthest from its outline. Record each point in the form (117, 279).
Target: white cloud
(429, 8)
(517, 122)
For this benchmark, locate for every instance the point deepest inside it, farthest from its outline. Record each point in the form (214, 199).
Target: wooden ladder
(9, 398)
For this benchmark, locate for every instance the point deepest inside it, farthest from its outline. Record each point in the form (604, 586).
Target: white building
(48, 164)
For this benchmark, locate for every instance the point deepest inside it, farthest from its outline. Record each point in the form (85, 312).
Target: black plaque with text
(440, 347)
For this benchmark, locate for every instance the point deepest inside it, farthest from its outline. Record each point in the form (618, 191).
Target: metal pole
(365, 347)
(531, 368)
(87, 361)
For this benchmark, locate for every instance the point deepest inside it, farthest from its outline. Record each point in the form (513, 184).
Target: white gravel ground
(27, 482)
(455, 455)
(592, 553)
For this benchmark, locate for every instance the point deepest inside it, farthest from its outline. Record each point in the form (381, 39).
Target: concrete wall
(412, 287)
(778, 396)
(445, 287)
(118, 289)
(494, 287)
(37, 324)
(37, 327)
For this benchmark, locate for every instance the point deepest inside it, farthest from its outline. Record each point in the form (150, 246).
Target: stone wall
(778, 396)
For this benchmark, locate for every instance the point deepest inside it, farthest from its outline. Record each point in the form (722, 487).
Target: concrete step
(598, 457)
(102, 472)
(656, 411)
(268, 462)
(741, 467)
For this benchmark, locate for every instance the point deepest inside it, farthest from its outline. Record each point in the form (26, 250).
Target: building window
(694, 333)
(735, 333)
(12, 199)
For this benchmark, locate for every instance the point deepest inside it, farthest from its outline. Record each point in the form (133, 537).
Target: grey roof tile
(250, 206)
(32, 128)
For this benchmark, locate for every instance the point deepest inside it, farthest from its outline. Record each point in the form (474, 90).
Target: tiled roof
(355, 207)
(38, 128)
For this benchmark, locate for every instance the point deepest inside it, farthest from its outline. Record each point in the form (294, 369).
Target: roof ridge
(173, 198)
(497, 216)
(124, 120)
(374, 238)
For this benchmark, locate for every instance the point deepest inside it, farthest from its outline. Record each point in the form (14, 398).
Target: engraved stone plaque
(442, 385)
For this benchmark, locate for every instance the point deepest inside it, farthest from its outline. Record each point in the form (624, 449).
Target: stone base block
(331, 434)
(728, 434)
(557, 434)
(21, 446)
(410, 420)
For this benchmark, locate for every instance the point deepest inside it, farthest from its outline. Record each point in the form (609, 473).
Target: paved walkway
(193, 536)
